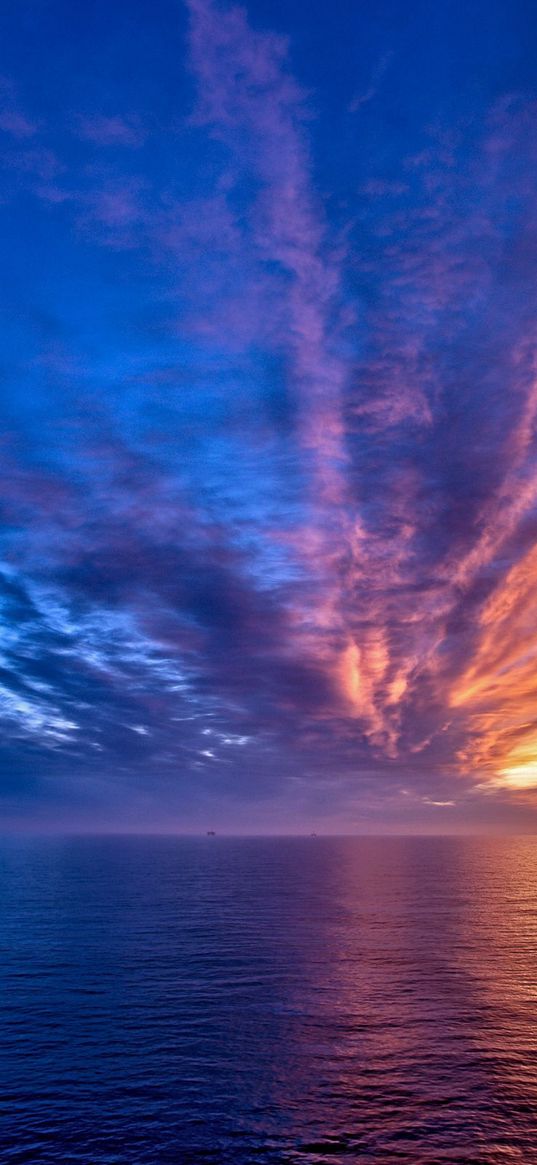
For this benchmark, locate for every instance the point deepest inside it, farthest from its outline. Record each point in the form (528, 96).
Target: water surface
(293, 1001)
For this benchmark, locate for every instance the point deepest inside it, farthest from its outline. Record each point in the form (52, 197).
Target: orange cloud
(499, 687)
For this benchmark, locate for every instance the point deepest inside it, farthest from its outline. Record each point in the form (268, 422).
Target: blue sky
(268, 416)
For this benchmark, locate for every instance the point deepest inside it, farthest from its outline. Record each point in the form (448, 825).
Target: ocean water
(214, 1001)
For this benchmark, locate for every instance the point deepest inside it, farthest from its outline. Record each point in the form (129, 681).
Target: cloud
(113, 130)
(14, 121)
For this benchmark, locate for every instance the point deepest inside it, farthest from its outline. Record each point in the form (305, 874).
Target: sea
(258, 1001)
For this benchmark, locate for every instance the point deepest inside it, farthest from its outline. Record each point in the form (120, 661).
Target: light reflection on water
(269, 1001)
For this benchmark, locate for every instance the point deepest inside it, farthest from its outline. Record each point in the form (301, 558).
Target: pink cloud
(13, 118)
(112, 131)
(13, 122)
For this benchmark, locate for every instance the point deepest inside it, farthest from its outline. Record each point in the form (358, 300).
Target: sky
(268, 404)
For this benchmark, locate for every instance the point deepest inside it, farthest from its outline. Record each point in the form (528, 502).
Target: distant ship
(211, 833)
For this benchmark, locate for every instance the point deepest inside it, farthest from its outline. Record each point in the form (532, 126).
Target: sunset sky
(269, 416)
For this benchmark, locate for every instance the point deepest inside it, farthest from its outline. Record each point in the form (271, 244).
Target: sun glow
(518, 777)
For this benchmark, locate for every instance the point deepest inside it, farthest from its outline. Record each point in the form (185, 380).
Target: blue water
(268, 1001)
